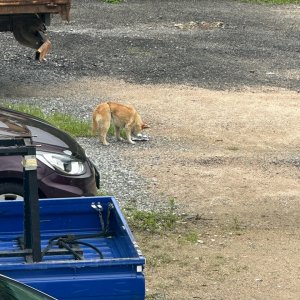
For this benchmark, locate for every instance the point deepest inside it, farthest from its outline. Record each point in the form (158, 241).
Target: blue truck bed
(88, 250)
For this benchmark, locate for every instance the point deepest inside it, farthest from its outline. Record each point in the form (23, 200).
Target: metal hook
(98, 207)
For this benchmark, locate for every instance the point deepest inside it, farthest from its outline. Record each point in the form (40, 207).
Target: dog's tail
(99, 112)
(94, 124)
(95, 118)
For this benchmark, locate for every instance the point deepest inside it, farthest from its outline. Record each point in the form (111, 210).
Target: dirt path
(221, 151)
(233, 159)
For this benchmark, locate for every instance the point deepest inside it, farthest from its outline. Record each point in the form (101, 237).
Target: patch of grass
(237, 226)
(112, 1)
(139, 51)
(70, 124)
(152, 221)
(64, 122)
(233, 148)
(28, 109)
(191, 237)
(160, 295)
(159, 260)
(102, 193)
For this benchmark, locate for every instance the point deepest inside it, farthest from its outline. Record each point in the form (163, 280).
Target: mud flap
(43, 50)
(29, 30)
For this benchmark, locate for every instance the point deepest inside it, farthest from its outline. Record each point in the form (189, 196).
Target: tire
(11, 191)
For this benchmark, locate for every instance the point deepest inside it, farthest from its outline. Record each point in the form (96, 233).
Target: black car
(11, 289)
(63, 168)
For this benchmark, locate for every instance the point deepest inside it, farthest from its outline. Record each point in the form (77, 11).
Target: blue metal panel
(117, 276)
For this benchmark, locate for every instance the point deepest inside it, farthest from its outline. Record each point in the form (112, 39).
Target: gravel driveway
(138, 41)
(152, 42)
(223, 102)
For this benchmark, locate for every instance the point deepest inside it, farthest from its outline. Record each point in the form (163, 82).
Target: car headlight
(61, 162)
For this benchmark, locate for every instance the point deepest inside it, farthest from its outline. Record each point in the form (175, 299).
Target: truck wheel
(11, 191)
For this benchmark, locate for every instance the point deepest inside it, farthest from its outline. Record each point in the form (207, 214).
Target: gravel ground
(138, 41)
(223, 104)
(119, 177)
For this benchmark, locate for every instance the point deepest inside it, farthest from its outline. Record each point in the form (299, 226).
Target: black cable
(62, 243)
(64, 240)
(88, 245)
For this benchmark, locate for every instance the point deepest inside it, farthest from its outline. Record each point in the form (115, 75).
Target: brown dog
(121, 116)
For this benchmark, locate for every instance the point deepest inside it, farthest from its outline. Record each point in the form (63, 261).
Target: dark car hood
(15, 124)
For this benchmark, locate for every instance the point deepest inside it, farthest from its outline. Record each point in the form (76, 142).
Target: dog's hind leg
(101, 121)
(118, 133)
(103, 135)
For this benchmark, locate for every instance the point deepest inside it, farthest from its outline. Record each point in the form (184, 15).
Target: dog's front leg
(128, 134)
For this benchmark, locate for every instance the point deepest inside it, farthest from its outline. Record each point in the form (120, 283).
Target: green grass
(112, 1)
(152, 221)
(191, 237)
(64, 122)
(233, 148)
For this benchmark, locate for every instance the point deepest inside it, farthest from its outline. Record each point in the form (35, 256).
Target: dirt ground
(223, 105)
(232, 158)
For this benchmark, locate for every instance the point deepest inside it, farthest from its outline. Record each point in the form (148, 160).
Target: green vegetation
(102, 193)
(159, 260)
(192, 237)
(64, 122)
(236, 227)
(112, 1)
(233, 148)
(152, 221)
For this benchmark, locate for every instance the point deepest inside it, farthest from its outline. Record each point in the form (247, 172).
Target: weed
(26, 108)
(139, 52)
(159, 260)
(152, 221)
(237, 226)
(160, 295)
(69, 124)
(102, 193)
(233, 148)
(191, 237)
(112, 1)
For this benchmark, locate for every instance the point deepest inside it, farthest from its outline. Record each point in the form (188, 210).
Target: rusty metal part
(43, 50)
(62, 7)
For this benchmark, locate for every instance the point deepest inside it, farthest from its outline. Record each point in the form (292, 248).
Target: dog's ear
(144, 126)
